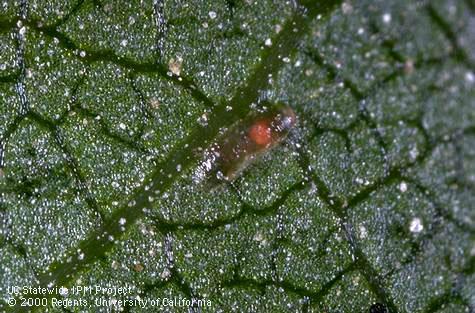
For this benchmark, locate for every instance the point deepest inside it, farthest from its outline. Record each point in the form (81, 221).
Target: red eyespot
(260, 133)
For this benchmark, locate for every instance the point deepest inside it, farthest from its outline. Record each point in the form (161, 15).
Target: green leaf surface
(106, 108)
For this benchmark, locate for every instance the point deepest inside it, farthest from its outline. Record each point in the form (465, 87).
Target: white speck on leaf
(387, 18)
(346, 8)
(175, 65)
(416, 225)
(472, 251)
(469, 77)
(403, 187)
(363, 232)
(413, 153)
(258, 237)
(212, 14)
(203, 119)
(115, 265)
(165, 274)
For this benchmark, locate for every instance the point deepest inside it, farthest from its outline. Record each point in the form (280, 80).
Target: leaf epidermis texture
(107, 106)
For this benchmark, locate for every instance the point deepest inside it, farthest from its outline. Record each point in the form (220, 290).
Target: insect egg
(244, 142)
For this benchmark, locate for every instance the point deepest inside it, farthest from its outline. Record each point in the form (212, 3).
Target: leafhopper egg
(244, 142)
